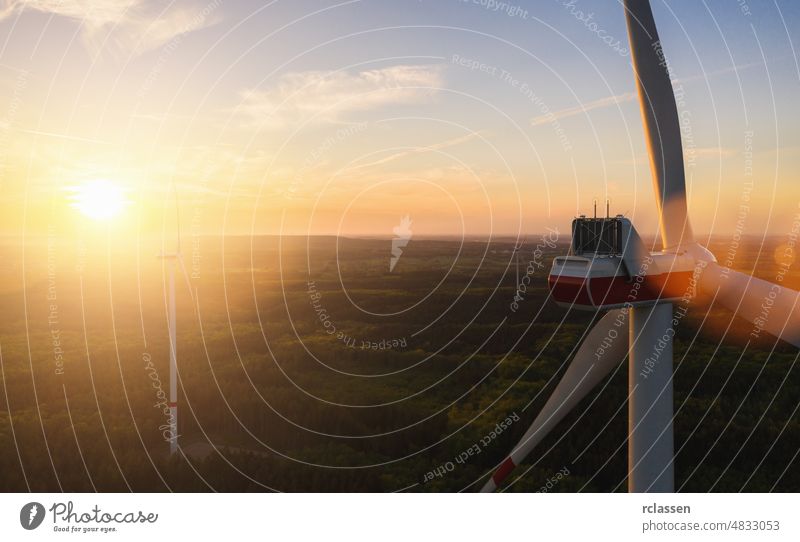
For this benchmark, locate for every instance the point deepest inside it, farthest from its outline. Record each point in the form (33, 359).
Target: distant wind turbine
(174, 259)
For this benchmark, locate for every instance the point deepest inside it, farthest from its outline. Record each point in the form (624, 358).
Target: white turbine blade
(604, 348)
(185, 276)
(661, 123)
(769, 307)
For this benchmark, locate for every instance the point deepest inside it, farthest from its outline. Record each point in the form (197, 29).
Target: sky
(470, 117)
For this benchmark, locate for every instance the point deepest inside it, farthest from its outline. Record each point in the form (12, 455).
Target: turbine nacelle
(608, 266)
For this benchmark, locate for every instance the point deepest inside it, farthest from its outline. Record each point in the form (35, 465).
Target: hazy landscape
(307, 365)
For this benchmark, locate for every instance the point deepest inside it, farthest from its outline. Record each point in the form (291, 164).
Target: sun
(98, 199)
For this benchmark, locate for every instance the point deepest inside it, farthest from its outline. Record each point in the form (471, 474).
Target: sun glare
(99, 199)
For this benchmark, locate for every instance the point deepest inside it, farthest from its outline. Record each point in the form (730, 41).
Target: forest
(306, 364)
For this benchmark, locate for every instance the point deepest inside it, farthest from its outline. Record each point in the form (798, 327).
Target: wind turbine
(609, 268)
(172, 260)
(517, 248)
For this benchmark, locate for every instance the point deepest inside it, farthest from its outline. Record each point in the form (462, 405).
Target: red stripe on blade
(503, 470)
(172, 405)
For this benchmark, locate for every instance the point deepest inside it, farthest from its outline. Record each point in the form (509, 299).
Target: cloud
(122, 27)
(583, 108)
(712, 152)
(326, 96)
(629, 96)
(723, 71)
(63, 136)
(419, 150)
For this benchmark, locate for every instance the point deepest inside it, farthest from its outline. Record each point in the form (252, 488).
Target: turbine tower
(172, 261)
(609, 268)
(517, 248)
